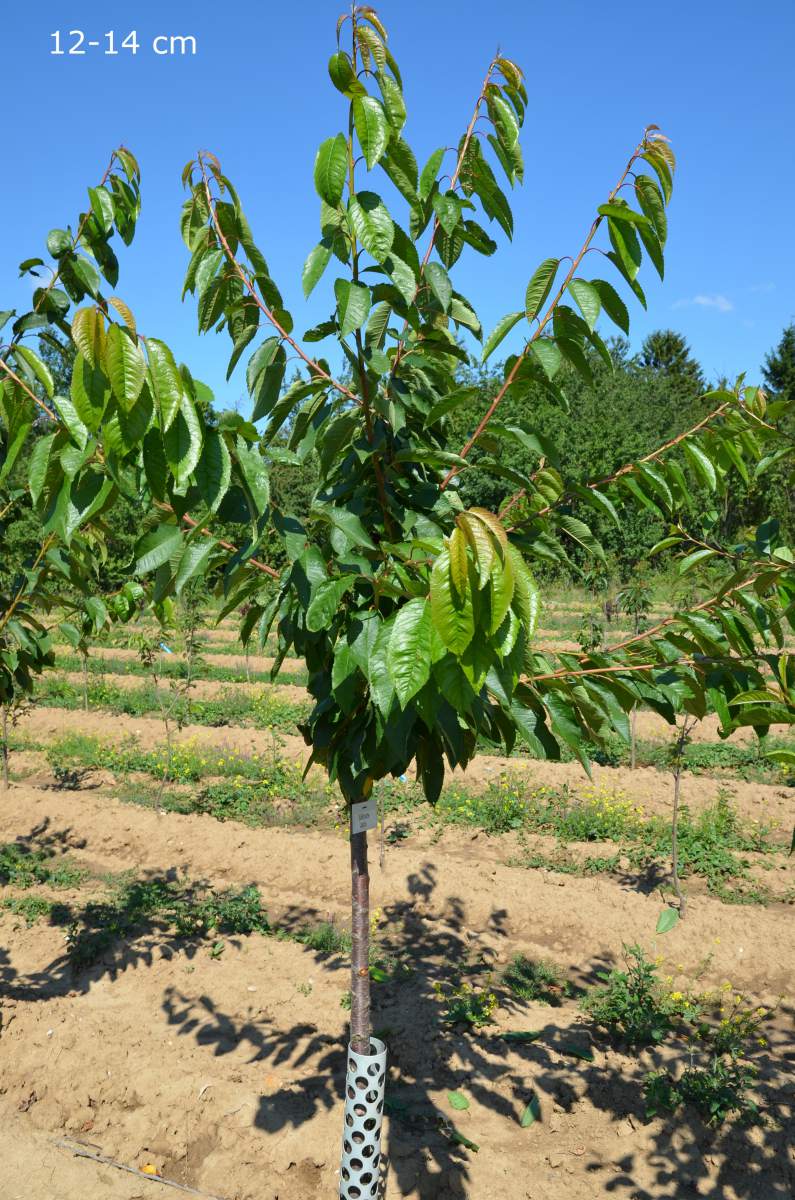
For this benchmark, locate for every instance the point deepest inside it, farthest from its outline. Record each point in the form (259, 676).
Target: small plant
(591, 633)
(633, 1005)
(465, 1004)
(24, 868)
(540, 980)
(716, 1091)
(326, 938)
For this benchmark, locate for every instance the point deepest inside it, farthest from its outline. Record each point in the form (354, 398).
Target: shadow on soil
(563, 1066)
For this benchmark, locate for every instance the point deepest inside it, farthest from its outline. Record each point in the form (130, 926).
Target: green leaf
(459, 1138)
(325, 603)
(409, 654)
(343, 75)
(447, 209)
(458, 1101)
(255, 473)
(429, 173)
(372, 128)
(401, 167)
(692, 560)
(622, 212)
(316, 262)
(267, 377)
(69, 415)
(349, 524)
(382, 688)
(653, 205)
(504, 119)
(213, 470)
(371, 224)
(37, 467)
(90, 392)
(165, 380)
(588, 301)
(156, 548)
(394, 104)
(182, 441)
(331, 167)
(453, 616)
(548, 354)
(195, 558)
(34, 364)
(439, 283)
(666, 920)
(88, 334)
(701, 465)
(500, 331)
(521, 1035)
(532, 1112)
(626, 247)
(124, 366)
(540, 286)
(612, 303)
(583, 1052)
(353, 305)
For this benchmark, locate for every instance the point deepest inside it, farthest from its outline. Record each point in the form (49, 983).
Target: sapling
(414, 615)
(635, 599)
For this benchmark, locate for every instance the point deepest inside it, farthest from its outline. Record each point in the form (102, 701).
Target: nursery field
(175, 953)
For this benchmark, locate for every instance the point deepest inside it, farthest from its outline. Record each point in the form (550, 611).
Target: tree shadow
(429, 949)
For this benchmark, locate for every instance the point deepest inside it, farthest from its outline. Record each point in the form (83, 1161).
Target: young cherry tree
(415, 616)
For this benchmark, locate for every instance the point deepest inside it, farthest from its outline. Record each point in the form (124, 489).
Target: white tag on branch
(363, 816)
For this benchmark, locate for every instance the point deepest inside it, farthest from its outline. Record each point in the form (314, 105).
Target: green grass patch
(267, 710)
(175, 668)
(24, 867)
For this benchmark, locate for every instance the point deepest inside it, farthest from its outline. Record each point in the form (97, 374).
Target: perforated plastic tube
(360, 1172)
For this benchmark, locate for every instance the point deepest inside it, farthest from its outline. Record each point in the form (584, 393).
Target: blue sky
(716, 75)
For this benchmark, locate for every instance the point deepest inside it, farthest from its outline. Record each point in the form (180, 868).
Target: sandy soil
(225, 1074)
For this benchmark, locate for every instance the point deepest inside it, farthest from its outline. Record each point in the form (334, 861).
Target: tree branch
(314, 367)
(543, 321)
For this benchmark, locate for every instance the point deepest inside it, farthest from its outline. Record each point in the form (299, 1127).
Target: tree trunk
(360, 945)
(85, 682)
(675, 840)
(5, 747)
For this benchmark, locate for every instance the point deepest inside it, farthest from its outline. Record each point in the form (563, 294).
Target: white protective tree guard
(360, 1171)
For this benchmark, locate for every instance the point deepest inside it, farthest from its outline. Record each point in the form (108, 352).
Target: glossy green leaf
(372, 128)
(371, 224)
(500, 331)
(540, 286)
(409, 654)
(124, 366)
(588, 300)
(331, 168)
(353, 305)
(165, 380)
(453, 617)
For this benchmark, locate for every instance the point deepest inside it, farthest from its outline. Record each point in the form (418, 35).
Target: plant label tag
(363, 816)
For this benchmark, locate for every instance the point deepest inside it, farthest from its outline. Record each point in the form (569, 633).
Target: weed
(632, 1004)
(540, 980)
(32, 908)
(715, 1091)
(326, 938)
(465, 1004)
(23, 868)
